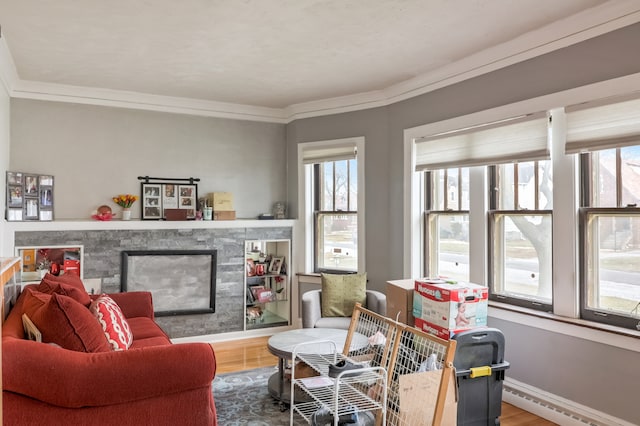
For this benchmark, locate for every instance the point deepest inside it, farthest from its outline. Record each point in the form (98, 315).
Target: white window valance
(337, 152)
(522, 138)
(602, 125)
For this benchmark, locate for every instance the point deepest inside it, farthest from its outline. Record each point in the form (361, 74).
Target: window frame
(304, 238)
(586, 212)
(492, 212)
(318, 212)
(430, 213)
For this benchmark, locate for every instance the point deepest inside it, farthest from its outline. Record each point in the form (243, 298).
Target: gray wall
(609, 56)
(98, 152)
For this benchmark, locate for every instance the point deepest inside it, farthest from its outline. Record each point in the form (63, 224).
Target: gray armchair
(312, 310)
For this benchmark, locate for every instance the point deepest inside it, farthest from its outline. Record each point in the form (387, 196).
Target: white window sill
(600, 333)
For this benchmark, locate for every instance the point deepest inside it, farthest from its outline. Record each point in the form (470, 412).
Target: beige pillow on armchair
(341, 292)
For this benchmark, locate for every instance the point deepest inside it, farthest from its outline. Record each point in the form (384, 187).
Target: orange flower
(126, 200)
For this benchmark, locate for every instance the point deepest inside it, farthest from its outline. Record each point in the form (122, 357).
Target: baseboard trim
(555, 408)
(235, 335)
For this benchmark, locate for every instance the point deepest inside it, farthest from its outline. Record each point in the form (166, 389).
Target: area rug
(242, 398)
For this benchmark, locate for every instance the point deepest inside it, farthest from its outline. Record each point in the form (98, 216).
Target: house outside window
(607, 136)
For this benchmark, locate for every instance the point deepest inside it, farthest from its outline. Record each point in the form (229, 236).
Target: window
(447, 223)
(521, 243)
(336, 215)
(610, 245)
(331, 205)
(521, 233)
(557, 230)
(607, 136)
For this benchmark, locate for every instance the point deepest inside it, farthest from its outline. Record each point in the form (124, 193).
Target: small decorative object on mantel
(125, 201)
(29, 197)
(280, 210)
(169, 193)
(103, 213)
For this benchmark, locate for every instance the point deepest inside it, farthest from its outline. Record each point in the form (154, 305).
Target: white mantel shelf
(10, 228)
(96, 225)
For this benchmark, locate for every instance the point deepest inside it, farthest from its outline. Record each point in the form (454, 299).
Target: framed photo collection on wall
(158, 197)
(29, 197)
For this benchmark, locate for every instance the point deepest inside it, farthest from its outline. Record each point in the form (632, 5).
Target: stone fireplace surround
(104, 241)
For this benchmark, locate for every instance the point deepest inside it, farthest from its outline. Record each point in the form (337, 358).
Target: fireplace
(104, 243)
(182, 282)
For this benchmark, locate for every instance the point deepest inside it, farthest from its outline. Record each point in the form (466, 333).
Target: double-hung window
(334, 204)
(607, 138)
(521, 234)
(516, 152)
(447, 223)
(336, 215)
(520, 217)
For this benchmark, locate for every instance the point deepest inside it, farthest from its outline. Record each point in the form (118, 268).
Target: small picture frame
(31, 209)
(187, 196)
(255, 291)
(15, 196)
(251, 268)
(14, 178)
(151, 201)
(276, 265)
(46, 197)
(31, 186)
(46, 180)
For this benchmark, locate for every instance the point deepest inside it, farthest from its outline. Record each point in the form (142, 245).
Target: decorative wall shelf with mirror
(267, 283)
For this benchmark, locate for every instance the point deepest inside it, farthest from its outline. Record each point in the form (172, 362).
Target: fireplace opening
(182, 282)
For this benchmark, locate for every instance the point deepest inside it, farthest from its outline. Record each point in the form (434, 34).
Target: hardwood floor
(246, 354)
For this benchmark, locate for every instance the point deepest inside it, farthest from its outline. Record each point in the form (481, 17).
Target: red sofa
(154, 382)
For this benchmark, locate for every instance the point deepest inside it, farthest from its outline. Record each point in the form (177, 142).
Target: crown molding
(583, 26)
(580, 27)
(123, 99)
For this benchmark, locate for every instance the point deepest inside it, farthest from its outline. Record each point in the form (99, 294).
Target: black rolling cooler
(480, 367)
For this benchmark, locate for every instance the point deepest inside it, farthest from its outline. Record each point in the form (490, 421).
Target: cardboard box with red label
(443, 308)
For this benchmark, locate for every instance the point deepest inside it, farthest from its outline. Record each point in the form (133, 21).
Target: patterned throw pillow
(341, 292)
(113, 322)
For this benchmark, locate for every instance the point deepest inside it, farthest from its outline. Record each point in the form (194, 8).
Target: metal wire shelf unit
(345, 394)
(409, 358)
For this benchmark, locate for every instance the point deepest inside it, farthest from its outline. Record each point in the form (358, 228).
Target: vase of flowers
(125, 201)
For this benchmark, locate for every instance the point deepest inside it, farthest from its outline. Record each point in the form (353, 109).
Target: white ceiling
(281, 54)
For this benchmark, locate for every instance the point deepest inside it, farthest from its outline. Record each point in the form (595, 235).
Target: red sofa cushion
(113, 323)
(144, 328)
(67, 285)
(64, 321)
